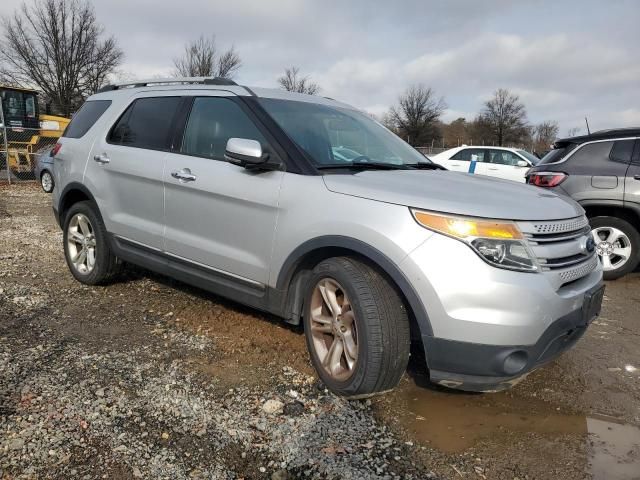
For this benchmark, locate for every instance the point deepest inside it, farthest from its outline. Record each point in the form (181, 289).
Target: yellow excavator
(27, 130)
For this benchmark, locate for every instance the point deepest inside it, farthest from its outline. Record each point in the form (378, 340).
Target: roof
(19, 89)
(483, 146)
(199, 83)
(602, 135)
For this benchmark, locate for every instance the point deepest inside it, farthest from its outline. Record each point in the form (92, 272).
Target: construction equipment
(27, 131)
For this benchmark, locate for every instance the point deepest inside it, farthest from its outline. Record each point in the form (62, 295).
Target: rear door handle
(184, 175)
(101, 158)
(636, 177)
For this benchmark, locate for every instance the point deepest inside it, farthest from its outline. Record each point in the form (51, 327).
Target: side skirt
(246, 292)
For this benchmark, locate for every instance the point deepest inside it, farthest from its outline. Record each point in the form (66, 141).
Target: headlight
(498, 243)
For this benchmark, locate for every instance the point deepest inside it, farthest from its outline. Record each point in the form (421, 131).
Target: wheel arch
(73, 193)
(620, 210)
(298, 265)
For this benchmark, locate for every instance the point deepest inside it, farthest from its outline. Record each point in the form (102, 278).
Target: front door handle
(493, 168)
(184, 175)
(101, 158)
(636, 177)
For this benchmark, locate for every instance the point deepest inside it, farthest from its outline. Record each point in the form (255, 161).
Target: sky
(565, 59)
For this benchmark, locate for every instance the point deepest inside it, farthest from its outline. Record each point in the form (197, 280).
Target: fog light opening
(515, 362)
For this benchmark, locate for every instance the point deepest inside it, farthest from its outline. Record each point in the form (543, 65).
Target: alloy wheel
(613, 246)
(47, 182)
(334, 329)
(81, 244)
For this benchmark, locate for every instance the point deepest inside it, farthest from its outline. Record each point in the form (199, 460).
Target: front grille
(560, 248)
(561, 226)
(580, 271)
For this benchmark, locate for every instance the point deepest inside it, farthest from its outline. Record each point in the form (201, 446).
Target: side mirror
(248, 153)
(522, 163)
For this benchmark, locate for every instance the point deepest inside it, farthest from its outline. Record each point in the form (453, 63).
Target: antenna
(587, 122)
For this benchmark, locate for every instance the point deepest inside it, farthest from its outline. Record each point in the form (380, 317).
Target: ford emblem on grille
(590, 245)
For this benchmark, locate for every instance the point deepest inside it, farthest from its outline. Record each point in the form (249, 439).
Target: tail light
(546, 179)
(56, 148)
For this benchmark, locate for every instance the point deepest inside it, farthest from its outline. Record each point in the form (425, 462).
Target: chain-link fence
(21, 148)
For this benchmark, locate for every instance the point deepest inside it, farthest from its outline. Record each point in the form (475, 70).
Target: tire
(372, 305)
(105, 264)
(625, 239)
(46, 181)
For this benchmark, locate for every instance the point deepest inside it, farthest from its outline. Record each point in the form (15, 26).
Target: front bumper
(491, 326)
(481, 368)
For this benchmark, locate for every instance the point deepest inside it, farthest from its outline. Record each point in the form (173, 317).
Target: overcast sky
(566, 59)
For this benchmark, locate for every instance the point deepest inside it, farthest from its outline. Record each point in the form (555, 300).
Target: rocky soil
(149, 378)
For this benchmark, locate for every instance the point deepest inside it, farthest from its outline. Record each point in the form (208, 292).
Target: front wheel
(356, 327)
(617, 244)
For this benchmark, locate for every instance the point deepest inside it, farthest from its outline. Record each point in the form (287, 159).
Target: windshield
(529, 156)
(339, 136)
(557, 154)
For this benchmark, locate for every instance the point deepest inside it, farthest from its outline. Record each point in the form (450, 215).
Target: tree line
(60, 47)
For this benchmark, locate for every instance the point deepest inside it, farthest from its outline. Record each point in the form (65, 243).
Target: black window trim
(172, 125)
(275, 149)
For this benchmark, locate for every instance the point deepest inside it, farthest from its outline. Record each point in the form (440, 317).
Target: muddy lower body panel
(485, 368)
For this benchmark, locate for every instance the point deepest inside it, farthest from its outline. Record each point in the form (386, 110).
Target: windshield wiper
(425, 166)
(363, 166)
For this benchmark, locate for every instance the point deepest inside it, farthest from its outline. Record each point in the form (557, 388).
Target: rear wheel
(46, 180)
(86, 246)
(356, 327)
(617, 244)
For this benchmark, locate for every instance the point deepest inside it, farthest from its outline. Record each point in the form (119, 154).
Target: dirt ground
(149, 378)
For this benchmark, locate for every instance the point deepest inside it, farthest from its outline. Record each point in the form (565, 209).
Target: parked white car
(502, 162)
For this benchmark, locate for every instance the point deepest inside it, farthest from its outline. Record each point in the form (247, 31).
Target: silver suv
(249, 193)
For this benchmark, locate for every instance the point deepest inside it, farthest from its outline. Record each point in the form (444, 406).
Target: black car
(602, 172)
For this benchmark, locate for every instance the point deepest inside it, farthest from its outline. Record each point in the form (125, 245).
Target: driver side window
(504, 157)
(212, 122)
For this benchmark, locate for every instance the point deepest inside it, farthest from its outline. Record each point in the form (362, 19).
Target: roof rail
(168, 81)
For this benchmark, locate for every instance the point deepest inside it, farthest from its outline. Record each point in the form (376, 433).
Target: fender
(361, 248)
(61, 207)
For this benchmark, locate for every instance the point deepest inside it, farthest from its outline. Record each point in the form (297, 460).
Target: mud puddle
(614, 449)
(452, 422)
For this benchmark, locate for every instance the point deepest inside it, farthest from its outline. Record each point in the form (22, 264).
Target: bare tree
(292, 81)
(201, 59)
(417, 114)
(506, 116)
(575, 131)
(59, 47)
(545, 134)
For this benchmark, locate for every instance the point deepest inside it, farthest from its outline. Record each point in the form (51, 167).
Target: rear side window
(84, 118)
(213, 121)
(146, 123)
(464, 155)
(592, 154)
(621, 151)
(557, 154)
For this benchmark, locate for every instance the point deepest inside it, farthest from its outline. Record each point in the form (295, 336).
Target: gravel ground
(111, 383)
(149, 378)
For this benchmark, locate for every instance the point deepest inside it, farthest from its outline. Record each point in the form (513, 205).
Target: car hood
(456, 193)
